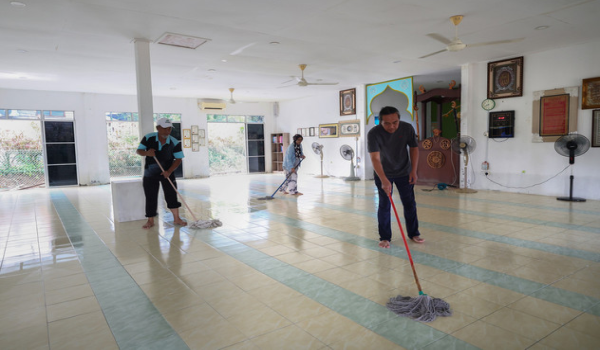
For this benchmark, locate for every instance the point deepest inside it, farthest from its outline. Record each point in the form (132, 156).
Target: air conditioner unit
(212, 106)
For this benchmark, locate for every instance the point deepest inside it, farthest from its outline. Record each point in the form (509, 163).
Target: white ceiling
(86, 45)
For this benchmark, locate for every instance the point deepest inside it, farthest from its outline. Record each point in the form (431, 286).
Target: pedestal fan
(318, 149)
(348, 154)
(571, 146)
(464, 145)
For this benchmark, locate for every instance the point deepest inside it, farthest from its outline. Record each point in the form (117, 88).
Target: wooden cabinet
(279, 144)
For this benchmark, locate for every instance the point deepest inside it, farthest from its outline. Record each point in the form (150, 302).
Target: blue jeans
(407, 196)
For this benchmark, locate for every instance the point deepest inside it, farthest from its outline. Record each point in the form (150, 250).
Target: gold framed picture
(590, 93)
(328, 130)
(348, 102)
(187, 133)
(350, 128)
(505, 78)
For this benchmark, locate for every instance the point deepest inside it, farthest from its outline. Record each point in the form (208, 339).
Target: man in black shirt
(167, 150)
(387, 145)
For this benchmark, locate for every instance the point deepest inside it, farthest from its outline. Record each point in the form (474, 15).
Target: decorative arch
(397, 93)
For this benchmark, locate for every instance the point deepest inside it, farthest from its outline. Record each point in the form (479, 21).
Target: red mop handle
(412, 264)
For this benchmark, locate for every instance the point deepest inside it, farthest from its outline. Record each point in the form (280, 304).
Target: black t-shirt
(165, 153)
(392, 148)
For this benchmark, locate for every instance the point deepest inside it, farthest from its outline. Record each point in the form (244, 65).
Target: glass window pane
(62, 175)
(58, 115)
(216, 118)
(59, 132)
(256, 148)
(174, 117)
(2, 113)
(60, 153)
(107, 116)
(256, 164)
(236, 119)
(134, 117)
(256, 132)
(255, 119)
(24, 114)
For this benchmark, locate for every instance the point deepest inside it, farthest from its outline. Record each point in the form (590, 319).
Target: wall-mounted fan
(456, 44)
(348, 154)
(318, 149)
(302, 82)
(571, 146)
(464, 145)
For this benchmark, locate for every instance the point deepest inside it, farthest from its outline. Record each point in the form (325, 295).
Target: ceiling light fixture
(274, 43)
(17, 4)
(179, 40)
(22, 51)
(542, 27)
(398, 61)
(223, 60)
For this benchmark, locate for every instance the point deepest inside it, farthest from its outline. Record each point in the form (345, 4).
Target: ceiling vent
(211, 106)
(179, 40)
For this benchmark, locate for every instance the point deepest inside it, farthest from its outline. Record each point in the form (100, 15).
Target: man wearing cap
(164, 147)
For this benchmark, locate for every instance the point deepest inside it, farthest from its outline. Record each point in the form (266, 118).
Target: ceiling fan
(231, 100)
(303, 82)
(456, 44)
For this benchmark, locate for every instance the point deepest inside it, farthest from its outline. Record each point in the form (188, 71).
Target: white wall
(90, 124)
(323, 109)
(519, 162)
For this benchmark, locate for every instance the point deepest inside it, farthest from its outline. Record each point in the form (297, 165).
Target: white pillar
(144, 86)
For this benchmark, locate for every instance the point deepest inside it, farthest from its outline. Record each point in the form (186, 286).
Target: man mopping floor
(387, 145)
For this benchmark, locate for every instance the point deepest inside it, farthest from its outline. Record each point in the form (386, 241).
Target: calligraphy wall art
(554, 113)
(505, 78)
(590, 93)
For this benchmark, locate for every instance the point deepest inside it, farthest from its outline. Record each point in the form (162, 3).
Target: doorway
(236, 144)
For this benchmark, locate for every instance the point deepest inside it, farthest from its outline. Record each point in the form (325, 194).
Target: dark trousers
(407, 196)
(151, 184)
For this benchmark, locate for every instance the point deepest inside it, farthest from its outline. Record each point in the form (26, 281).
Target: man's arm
(146, 152)
(385, 183)
(414, 161)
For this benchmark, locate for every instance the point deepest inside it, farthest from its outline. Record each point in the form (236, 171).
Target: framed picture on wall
(596, 128)
(505, 78)
(187, 133)
(328, 130)
(350, 128)
(187, 143)
(195, 147)
(348, 102)
(201, 133)
(590, 93)
(194, 129)
(311, 131)
(195, 138)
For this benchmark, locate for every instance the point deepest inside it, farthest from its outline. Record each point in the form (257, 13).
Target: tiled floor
(519, 271)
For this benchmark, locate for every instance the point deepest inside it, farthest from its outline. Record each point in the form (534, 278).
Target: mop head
(422, 308)
(205, 224)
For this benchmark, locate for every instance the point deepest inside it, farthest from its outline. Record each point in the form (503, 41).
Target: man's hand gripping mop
(268, 198)
(197, 223)
(422, 308)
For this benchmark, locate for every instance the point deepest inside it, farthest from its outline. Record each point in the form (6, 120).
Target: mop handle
(284, 181)
(412, 264)
(175, 188)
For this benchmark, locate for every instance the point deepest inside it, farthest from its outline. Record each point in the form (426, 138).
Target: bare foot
(180, 222)
(418, 239)
(148, 224)
(297, 194)
(384, 244)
